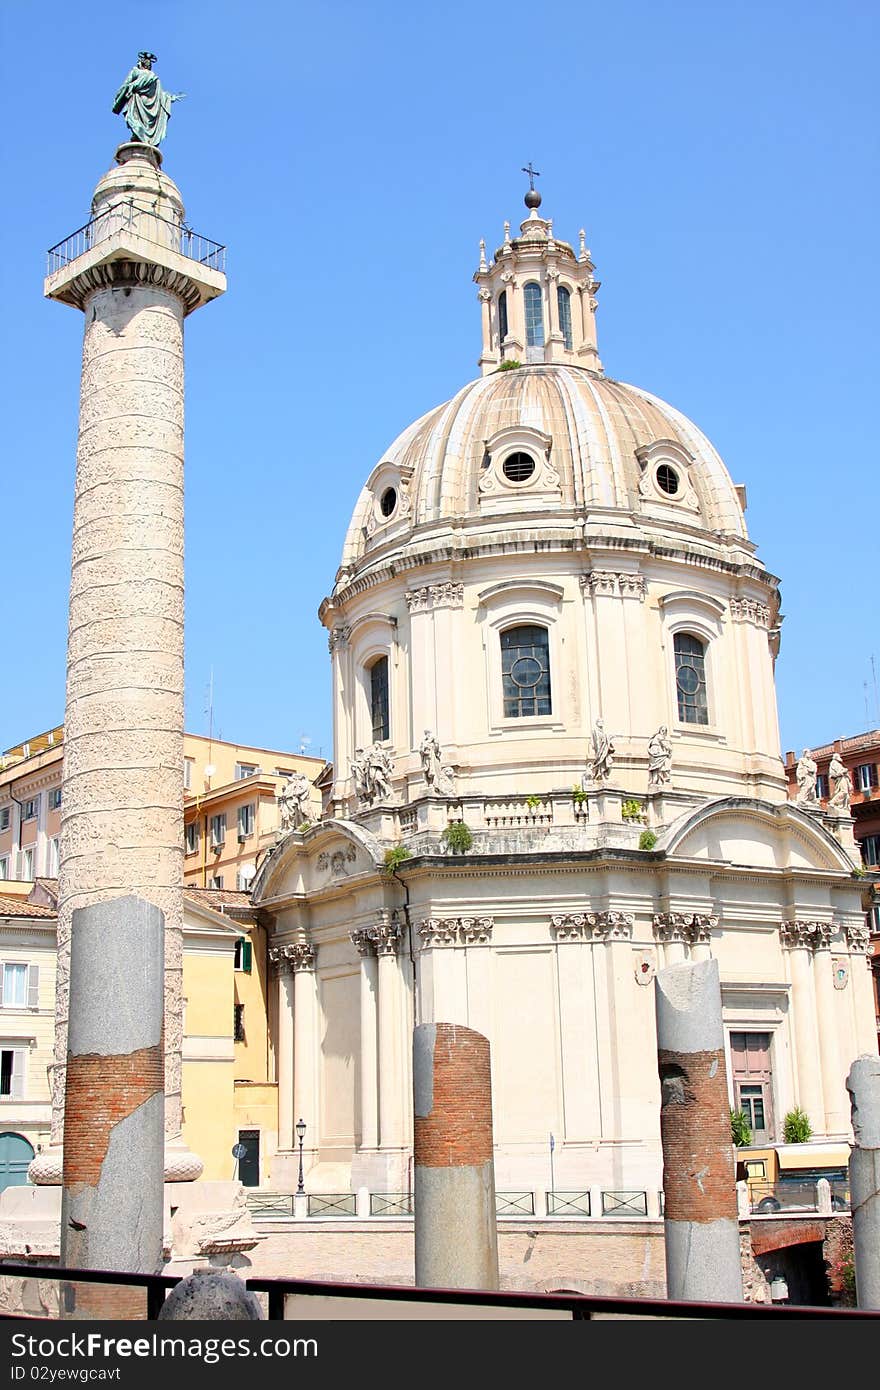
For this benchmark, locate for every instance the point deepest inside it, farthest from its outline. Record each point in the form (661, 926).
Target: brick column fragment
(701, 1227)
(456, 1237)
(863, 1084)
(112, 1203)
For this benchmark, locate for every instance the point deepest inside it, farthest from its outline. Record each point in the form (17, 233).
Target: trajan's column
(135, 271)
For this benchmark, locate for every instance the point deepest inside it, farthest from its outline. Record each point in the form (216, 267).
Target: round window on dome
(518, 467)
(388, 501)
(667, 480)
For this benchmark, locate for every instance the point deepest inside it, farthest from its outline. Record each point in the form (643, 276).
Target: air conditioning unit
(241, 837)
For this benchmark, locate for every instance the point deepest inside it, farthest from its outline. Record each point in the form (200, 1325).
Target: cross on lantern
(532, 173)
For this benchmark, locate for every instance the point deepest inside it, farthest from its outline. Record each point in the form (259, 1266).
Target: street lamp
(300, 1134)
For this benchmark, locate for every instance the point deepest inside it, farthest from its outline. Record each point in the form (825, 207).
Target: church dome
(545, 445)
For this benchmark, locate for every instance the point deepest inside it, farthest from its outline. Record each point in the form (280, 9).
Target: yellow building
(231, 808)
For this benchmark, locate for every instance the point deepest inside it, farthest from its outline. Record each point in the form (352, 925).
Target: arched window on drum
(563, 299)
(690, 678)
(525, 671)
(534, 307)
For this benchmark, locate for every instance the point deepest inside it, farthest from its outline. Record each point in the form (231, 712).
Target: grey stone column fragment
(456, 1234)
(112, 1202)
(701, 1228)
(209, 1296)
(863, 1084)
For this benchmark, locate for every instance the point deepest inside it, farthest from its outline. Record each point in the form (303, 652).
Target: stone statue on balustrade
(659, 759)
(840, 784)
(438, 777)
(144, 103)
(293, 801)
(372, 772)
(599, 769)
(806, 780)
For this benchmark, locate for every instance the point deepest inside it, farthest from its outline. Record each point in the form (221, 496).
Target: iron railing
(579, 1306)
(332, 1204)
(391, 1204)
(794, 1195)
(266, 1205)
(514, 1203)
(624, 1204)
(143, 222)
(568, 1204)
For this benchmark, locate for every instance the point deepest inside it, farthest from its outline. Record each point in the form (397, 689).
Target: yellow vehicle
(784, 1176)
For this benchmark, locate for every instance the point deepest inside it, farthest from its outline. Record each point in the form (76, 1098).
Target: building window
(27, 865)
(667, 480)
(245, 820)
(31, 808)
(821, 787)
(216, 881)
(4, 866)
(533, 300)
(752, 1081)
(525, 671)
(19, 985)
(238, 1024)
(502, 316)
(188, 773)
(243, 955)
(388, 501)
(866, 777)
(690, 679)
(283, 772)
(4, 817)
(12, 1063)
(218, 830)
(54, 856)
(870, 848)
(518, 467)
(243, 770)
(243, 880)
(563, 299)
(55, 799)
(191, 837)
(379, 700)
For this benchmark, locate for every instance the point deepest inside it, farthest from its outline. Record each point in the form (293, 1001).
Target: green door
(15, 1155)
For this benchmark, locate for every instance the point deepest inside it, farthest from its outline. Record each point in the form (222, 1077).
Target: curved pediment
(741, 830)
(316, 859)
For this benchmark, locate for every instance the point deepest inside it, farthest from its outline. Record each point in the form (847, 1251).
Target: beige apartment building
(230, 808)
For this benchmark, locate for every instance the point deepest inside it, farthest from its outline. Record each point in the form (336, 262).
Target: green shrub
(457, 837)
(533, 802)
(631, 809)
(647, 839)
(740, 1129)
(394, 858)
(509, 364)
(796, 1127)
(578, 795)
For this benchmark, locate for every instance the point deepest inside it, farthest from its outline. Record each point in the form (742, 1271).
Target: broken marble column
(863, 1084)
(701, 1227)
(456, 1237)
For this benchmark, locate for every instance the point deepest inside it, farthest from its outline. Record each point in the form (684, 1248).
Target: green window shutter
(247, 952)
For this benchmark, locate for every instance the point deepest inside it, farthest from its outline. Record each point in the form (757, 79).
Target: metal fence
(579, 1307)
(624, 1204)
(514, 1203)
(568, 1204)
(391, 1204)
(142, 222)
(332, 1204)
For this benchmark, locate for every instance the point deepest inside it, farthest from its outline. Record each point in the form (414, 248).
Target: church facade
(557, 769)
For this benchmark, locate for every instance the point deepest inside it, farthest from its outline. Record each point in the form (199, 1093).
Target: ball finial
(532, 199)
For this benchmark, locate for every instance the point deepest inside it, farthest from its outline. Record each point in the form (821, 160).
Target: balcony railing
(142, 222)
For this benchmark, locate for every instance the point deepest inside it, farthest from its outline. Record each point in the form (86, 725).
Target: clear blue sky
(723, 160)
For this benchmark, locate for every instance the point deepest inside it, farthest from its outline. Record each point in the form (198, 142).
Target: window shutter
(2, 974)
(18, 1061)
(873, 774)
(33, 986)
(246, 956)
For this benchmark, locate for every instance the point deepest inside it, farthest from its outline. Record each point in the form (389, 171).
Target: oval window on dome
(388, 501)
(518, 467)
(667, 480)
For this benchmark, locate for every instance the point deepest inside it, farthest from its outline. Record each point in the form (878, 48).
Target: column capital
(476, 931)
(570, 926)
(363, 943)
(857, 937)
(434, 931)
(611, 925)
(386, 935)
(801, 932)
(693, 927)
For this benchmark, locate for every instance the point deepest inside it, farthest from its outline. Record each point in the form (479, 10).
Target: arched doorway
(15, 1155)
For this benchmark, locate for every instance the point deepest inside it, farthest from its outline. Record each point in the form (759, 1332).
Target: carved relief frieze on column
(672, 926)
(417, 599)
(447, 594)
(599, 581)
(632, 586)
(279, 960)
(750, 609)
(612, 926)
(363, 943)
(798, 932)
(337, 638)
(701, 929)
(857, 936)
(612, 582)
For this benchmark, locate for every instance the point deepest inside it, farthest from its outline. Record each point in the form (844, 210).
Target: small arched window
(525, 671)
(690, 678)
(502, 317)
(379, 700)
(563, 299)
(533, 301)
